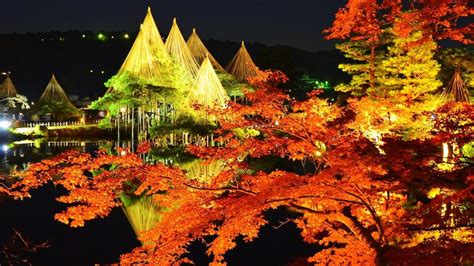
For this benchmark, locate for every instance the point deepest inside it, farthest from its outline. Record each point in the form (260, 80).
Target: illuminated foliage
(147, 57)
(356, 203)
(207, 91)
(410, 72)
(373, 187)
(362, 23)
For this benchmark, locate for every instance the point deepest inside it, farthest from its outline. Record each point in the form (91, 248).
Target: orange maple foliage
(353, 203)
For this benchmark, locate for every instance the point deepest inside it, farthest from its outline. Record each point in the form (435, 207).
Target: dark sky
(297, 23)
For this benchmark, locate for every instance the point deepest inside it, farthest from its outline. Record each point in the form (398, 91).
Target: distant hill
(83, 61)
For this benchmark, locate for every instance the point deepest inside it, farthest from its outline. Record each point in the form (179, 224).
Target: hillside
(83, 61)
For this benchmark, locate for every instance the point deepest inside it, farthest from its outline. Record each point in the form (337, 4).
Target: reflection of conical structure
(7, 89)
(142, 60)
(207, 89)
(199, 51)
(179, 50)
(54, 94)
(242, 65)
(203, 171)
(142, 213)
(456, 91)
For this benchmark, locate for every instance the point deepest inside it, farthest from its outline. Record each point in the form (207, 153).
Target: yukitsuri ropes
(200, 52)
(242, 65)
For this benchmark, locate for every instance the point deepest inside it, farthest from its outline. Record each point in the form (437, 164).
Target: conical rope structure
(54, 93)
(207, 90)
(456, 91)
(179, 50)
(143, 58)
(7, 89)
(199, 51)
(242, 65)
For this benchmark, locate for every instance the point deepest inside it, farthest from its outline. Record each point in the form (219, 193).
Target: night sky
(298, 23)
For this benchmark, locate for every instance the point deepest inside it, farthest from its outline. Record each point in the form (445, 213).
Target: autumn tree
(361, 23)
(438, 20)
(355, 202)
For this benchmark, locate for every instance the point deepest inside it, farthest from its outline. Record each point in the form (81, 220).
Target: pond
(102, 241)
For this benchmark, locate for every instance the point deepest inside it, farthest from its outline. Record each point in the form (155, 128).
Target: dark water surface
(102, 241)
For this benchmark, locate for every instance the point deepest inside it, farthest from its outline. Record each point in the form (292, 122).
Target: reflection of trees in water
(22, 153)
(202, 170)
(142, 212)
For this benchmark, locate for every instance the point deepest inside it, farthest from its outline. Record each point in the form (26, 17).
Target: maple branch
(303, 128)
(245, 191)
(282, 223)
(368, 205)
(303, 208)
(314, 196)
(443, 228)
(349, 221)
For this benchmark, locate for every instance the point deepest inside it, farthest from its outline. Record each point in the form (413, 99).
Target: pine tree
(410, 71)
(360, 68)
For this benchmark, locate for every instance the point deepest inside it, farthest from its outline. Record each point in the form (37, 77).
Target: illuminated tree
(55, 102)
(360, 68)
(207, 91)
(409, 71)
(362, 23)
(150, 81)
(438, 20)
(355, 202)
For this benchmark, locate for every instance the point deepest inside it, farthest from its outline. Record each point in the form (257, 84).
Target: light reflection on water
(18, 155)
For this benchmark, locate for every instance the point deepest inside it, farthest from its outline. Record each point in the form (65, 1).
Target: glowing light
(92, 71)
(83, 35)
(393, 118)
(101, 37)
(126, 36)
(5, 148)
(102, 71)
(445, 152)
(433, 193)
(5, 124)
(375, 137)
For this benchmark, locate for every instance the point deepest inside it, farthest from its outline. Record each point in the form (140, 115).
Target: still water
(100, 241)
